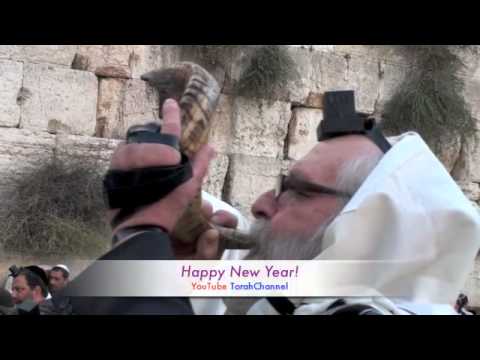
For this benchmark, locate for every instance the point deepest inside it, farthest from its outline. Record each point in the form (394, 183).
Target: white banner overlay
(243, 279)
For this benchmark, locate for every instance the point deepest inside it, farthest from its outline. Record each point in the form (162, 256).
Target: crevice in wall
(133, 60)
(460, 164)
(378, 105)
(80, 62)
(100, 122)
(347, 58)
(226, 189)
(121, 109)
(290, 129)
(20, 117)
(116, 125)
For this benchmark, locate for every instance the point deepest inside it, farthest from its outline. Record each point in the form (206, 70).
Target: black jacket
(150, 245)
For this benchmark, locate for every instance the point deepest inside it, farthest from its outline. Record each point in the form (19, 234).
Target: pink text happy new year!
(270, 271)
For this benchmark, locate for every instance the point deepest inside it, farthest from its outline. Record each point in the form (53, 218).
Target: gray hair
(353, 174)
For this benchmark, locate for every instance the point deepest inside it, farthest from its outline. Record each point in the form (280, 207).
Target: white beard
(284, 247)
(273, 247)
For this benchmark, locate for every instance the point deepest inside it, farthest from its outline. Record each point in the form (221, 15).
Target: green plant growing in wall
(270, 69)
(55, 209)
(430, 100)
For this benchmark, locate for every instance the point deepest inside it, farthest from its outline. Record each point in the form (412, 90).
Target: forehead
(20, 281)
(322, 164)
(56, 273)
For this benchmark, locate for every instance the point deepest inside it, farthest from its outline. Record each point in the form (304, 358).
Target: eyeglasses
(302, 186)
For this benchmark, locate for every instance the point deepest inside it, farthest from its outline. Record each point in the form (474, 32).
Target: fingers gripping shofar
(197, 93)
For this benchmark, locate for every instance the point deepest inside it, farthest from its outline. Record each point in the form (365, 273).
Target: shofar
(197, 93)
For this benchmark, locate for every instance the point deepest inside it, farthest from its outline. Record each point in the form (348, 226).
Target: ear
(37, 292)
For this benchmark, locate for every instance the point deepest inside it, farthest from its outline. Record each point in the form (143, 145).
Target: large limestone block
(111, 96)
(216, 176)
(106, 60)
(302, 134)
(60, 55)
(140, 104)
(22, 149)
(59, 100)
(248, 178)
(352, 73)
(221, 128)
(11, 74)
(260, 128)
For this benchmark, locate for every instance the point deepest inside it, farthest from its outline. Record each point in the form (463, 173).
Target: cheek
(304, 218)
(326, 210)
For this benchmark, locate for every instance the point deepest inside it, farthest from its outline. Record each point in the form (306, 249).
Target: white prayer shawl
(411, 214)
(382, 305)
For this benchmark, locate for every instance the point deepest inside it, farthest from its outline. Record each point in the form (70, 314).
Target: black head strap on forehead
(341, 119)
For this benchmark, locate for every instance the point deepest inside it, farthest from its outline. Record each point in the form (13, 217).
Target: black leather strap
(355, 310)
(337, 303)
(282, 305)
(151, 133)
(377, 137)
(140, 187)
(133, 189)
(368, 128)
(148, 137)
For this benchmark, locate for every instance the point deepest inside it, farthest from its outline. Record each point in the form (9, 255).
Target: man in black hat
(29, 289)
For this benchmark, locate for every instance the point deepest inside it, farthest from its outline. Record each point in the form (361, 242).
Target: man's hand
(208, 245)
(166, 212)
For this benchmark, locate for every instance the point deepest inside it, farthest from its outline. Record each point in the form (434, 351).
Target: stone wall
(82, 97)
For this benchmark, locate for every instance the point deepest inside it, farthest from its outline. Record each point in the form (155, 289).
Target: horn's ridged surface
(197, 93)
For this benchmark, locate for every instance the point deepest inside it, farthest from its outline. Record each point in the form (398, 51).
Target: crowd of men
(34, 290)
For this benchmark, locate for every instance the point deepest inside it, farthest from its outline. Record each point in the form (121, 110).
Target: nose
(265, 206)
